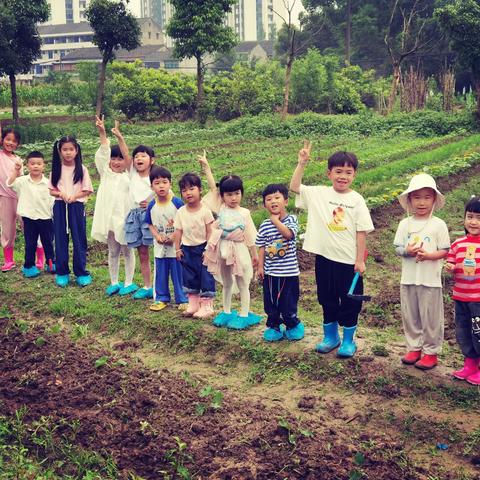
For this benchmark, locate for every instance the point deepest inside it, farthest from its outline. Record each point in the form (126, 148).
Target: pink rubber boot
(206, 308)
(470, 367)
(8, 259)
(40, 263)
(193, 304)
(474, 379)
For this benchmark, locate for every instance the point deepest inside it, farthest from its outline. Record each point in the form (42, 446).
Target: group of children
(198, 241)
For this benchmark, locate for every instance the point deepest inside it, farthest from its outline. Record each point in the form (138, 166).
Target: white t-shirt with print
(433, 234)
(333, 221)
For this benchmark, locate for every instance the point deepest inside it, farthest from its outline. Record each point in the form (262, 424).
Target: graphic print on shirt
(276, 248)
(469, 263)
(414, 240)
(476, 328)
(337, 225)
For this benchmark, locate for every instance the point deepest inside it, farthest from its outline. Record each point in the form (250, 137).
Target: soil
(134, 414)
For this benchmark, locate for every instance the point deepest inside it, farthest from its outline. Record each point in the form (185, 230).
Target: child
(137, 232)
(231, 252)
(464, 262)
(337, 225)
(8, 198)
(35, 207)
(193, 226)
(278, 266)
(422, 241)
(160, 216)
(71, 186)
(111, 208)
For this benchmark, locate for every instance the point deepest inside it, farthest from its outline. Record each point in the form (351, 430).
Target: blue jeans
(196, 278)
(163, 268)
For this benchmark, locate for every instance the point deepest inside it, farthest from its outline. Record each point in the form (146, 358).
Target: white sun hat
(422, 180)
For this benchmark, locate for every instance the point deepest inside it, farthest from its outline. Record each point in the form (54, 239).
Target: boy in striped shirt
(278, 266)
(463, 261)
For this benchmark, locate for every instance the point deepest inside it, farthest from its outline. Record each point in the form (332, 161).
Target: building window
(172, 64)
(50, 54)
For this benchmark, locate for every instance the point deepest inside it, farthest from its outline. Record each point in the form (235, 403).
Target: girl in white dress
(111, 208)
(231, 255)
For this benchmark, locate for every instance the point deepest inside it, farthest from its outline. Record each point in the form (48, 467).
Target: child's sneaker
(84, 280)
(157, 306)
(182, 307)
(272, 335)
(132, 288)
(411, 357)
(427, 362)
(113, 289)
(62, 280)
(295, 333)
(143, 293)
(50, 266)
(31, 272)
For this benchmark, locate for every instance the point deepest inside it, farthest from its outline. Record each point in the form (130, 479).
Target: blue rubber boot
(295, 333)
(272, 335)
(222, 319)
(331, 338)
(31, 272)
(348, 347)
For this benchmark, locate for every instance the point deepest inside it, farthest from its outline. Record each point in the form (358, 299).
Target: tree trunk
(13, 89)
(348, 33)
(477, 92)
(286, 94)
(394, 87)
(101, 85)
(200, 92)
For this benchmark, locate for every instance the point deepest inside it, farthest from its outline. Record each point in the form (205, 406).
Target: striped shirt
(465, 255)
(280, 253)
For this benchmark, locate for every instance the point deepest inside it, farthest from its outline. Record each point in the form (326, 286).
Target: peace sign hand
(100, 123)
(304, 153)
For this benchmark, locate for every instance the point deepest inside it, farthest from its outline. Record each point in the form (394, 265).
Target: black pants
(32, 229)
(333, 282)
(280, 299)
(467, 328)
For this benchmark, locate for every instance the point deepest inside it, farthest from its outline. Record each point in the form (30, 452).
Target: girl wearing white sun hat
(422, 241)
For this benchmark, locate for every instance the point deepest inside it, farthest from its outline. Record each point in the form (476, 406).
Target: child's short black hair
(35, 154)
(473, 205)
(144, 149)
(340, 159)
(230, 183)
(160, 172)
(274, 188)
(190, 180)
(115, 152)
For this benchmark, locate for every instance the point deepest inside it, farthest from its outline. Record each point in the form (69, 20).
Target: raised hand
(202, 159)
(116, 129)
(304, 153)
(100, 123)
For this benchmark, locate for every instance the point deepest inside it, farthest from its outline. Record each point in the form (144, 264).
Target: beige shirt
(193, 225)
(34, 199)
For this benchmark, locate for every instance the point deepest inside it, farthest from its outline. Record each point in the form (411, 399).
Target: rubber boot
(206, 308)
(40, 263)
(8, 259)
(348, 347)
(331, 339)
(470, 367)
(193, 304)
(474, 379)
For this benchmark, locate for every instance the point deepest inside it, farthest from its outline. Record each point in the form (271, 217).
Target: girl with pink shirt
(71, 186)
(8, 198)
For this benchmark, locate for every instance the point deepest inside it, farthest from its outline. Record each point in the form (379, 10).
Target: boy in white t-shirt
(422, 241)
(337, 225)
(35, 206)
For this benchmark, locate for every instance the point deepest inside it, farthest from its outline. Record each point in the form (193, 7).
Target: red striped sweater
(465, 255)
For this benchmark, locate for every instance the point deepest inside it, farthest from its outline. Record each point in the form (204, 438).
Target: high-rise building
(66, 11)
(250, 19)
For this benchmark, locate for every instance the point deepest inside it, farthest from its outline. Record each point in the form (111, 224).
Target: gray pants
(467, 328)
(423, 318)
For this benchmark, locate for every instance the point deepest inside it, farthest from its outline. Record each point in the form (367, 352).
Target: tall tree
(19, 40)
(114, 28)
(461, 21)
(198, 28)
